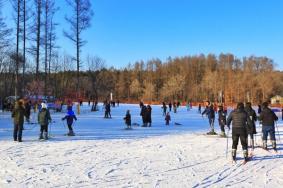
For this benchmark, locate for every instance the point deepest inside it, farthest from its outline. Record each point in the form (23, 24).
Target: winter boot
(45, 136)
(40, 136)
(71, 133)
(245, 153)
(264, 144)
(273, 142)
(234, 151)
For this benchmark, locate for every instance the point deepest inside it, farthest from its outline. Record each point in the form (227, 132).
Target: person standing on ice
(143, 115)
(18, 115)
(28, 110)
(70, 117)
(167, 118)
(239, 119)
(127, 119)
(164, 107)
(268, 117)
(148, 115)
(251, 129)
(43, 119)
(222, 120)
(170, 106)
(199, 108)
(209, 111)
(175, 107)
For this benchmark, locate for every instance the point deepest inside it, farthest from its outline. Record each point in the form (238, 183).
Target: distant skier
(240, 119)
(167, 118)
(209, 111)
(251, 129)
(282, 113)
(222, 120)
(18, 114)
(268, 117)
(70, 117)
(44, 119)
(127, 119)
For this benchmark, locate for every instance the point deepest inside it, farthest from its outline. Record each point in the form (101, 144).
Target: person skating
(44, 119)
(222, 121)
(18, 114)
(209, 111)
(167, 118)
(239, 119)
(251, 129)
(70, 117)
(268, 117)
(127, 119)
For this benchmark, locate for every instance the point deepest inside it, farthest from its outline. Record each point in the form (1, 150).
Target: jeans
(18, 131)
(266, 130)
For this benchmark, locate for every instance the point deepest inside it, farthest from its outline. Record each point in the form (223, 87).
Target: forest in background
(31, 64)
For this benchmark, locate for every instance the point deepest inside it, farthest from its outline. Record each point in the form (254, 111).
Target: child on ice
(70, 119)
(167, 118)
(127, 119)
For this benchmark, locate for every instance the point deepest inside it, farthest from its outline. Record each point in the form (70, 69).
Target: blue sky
(126, 31)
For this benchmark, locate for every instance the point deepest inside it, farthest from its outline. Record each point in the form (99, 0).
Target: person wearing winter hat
(43, 119)
(70, 117)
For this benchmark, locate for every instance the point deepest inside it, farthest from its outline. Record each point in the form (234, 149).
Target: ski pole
(278, 131)
(227, 142)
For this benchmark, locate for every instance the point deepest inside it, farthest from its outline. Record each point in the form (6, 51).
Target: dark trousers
(239, 133)
(43, 128)
(266, 130)
(70, 127)
(222, 125)
(18, 131)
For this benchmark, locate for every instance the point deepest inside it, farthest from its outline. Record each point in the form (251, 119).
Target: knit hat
(43, 105)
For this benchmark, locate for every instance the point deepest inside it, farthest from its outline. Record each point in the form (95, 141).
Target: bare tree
(79, 21)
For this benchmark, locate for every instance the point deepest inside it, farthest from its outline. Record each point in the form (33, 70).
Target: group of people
(22, 110)
(146, 115)
(243, 120)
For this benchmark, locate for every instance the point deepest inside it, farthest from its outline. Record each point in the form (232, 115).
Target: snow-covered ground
(104, 154)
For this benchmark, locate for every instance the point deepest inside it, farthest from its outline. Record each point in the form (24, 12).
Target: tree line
(32, 65)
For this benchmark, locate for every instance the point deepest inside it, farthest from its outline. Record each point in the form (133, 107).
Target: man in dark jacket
(43, 119)
(267, 116)
(209, 111)
(251, 129)
(143, 115)
(222, 120)
(239, 129)
(18, 115)
(148, 115)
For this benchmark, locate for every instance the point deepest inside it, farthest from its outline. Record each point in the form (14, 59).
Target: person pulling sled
(70, 117)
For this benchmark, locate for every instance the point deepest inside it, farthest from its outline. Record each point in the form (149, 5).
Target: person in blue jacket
(209, 111)
(70, 117)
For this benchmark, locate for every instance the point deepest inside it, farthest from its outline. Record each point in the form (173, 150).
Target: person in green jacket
(18, 115)
(43, 119)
